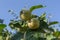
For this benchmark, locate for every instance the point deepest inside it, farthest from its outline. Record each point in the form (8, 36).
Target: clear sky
(52, 7)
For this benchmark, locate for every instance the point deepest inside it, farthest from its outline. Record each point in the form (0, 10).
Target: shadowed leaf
(1, 20)
(52, 23)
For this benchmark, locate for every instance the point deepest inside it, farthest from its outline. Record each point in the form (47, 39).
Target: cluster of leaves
(2, 26)
(44, 32)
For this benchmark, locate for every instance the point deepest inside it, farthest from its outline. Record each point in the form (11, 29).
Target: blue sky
(52, 7)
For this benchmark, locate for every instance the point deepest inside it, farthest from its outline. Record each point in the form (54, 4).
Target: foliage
(43, 32)
(52, 23)
(36, 7)
(2, 26)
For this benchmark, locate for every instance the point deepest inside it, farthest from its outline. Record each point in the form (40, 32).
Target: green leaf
(43, 17)
(36, 7)
(56, 34)
(17, 36)
(43, 25)
(1, 38)
(2, 26)
(51, 29)
(34, 16)
(52, 23)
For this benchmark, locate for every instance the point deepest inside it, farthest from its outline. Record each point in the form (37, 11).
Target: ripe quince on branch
(25, 14)
(33, 24)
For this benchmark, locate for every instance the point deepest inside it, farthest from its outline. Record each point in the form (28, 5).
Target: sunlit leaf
(43, 16)
(36, 7)
(1, 38)
(52, 23)
(2, 26)
(56, 34)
